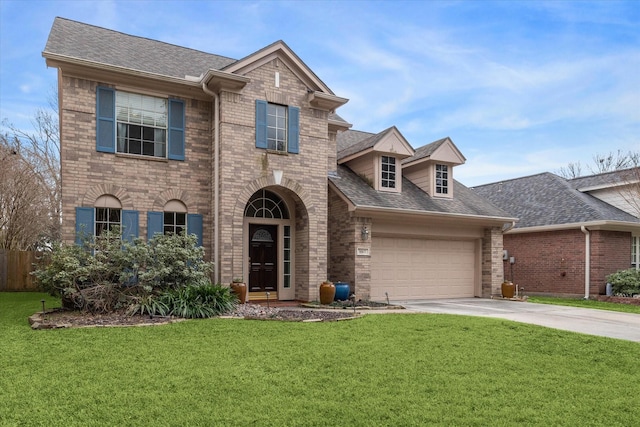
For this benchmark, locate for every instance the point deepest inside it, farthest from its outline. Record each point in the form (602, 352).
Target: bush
(625, 282)
(105, 273)
(199, 301)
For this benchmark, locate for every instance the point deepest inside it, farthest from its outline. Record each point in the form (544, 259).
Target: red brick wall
(610, 252)
(553, 262)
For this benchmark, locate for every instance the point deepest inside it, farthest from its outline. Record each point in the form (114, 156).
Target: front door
(263, 258)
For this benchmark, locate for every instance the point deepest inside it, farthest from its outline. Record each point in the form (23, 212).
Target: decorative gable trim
(442, 151)
(279, 51)
(389, 141)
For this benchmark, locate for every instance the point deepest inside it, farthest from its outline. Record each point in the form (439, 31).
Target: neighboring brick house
(243, 153)
(571, 233)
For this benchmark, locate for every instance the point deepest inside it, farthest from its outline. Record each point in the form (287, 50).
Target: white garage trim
(409, 268)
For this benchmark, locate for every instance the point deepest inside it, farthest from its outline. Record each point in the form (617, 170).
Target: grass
(381, 370)
(580, 302)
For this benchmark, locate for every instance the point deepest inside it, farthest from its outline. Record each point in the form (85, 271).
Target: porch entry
(263, 258)
(268, 246)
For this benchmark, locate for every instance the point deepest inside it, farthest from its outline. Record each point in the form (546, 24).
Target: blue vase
(342, 291)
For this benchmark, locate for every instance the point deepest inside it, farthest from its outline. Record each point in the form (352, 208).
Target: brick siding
(553, 262)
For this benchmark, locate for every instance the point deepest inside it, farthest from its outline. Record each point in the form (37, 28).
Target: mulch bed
(58, 318)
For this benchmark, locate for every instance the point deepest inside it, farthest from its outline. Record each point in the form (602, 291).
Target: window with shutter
(277, 127)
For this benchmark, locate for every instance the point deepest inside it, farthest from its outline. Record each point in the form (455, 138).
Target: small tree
(31, 174)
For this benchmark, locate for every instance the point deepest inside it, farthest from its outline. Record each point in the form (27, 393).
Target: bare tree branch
(30, 184)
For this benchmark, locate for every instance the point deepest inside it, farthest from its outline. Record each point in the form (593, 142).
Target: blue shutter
(84, 223)
(194, 226)
(176, 129)
(293, 131)
(155, 224)
(106, 119)
(129, 225)
(261, 124)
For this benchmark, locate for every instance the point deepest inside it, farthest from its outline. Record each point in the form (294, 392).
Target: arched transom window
(266, 204)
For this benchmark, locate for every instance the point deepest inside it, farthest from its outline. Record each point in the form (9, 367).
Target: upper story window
(139, 124)
(442, 179)
(277, 127)
(388, 176)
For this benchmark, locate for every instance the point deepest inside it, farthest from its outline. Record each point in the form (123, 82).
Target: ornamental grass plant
(379, 370)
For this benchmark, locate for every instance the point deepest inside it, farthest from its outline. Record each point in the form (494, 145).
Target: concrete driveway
(604, 323)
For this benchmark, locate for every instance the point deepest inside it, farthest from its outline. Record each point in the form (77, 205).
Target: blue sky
(520, 87)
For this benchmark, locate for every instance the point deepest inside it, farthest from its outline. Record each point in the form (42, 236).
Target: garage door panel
(422, 268)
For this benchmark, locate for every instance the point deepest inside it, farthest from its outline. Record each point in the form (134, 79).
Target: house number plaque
(363, 251)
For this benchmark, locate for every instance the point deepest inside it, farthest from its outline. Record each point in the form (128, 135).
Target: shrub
(105, 273)
(625, 282)
(199, 300)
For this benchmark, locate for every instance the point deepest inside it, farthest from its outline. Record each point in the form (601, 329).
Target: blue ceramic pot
(342, 291)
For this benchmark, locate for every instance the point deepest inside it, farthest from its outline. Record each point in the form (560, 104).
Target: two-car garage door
(409, 269)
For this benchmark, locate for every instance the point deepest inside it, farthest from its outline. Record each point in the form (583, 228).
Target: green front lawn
(381, 370)
(581, 302)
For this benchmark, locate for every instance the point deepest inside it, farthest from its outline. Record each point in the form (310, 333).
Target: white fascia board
(361, 210)
(591, 225)
(55, 60)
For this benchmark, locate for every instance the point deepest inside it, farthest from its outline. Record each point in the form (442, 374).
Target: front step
(262, 296)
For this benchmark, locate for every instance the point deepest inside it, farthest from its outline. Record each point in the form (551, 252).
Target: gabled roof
(72, 42)
(547, 200)
(413, 199)
(442, 150)
(352, 142)
(281, 49)
(76, 40)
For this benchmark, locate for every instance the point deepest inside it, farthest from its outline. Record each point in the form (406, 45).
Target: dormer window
(442, 179)
(388, 176)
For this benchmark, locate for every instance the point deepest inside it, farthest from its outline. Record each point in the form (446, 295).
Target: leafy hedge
(625, 282)
(166, 276)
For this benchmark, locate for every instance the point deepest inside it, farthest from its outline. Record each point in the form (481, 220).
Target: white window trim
(165, 127)
(397, 179)
(285, 129)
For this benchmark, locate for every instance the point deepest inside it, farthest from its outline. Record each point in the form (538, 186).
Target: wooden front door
(263, 258)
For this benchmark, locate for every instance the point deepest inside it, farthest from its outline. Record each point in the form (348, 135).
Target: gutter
(587, 260)
(508, 227)
(216, 179)
(444, 215)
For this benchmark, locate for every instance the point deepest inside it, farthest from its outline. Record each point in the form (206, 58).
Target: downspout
(587, 260)
(507, 227)
(216, 180)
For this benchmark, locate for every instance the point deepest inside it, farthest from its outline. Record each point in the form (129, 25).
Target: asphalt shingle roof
(87, 42)
(354, 141)
(425, 150)
(465, 201)
(604, 178)
(547, 199)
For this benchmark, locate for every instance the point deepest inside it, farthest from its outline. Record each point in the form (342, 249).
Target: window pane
(114, 215)
(101, 214)
(181, 218)
(168, 218)
(135, 147)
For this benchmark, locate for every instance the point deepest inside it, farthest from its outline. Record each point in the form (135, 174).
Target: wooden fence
(15, 269)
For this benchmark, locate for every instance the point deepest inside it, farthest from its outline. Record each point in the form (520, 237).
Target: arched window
(175, 217)
(266, 204)
(108, 213)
